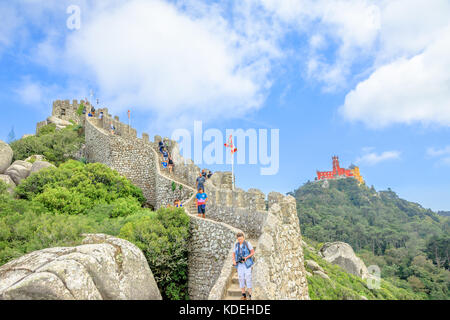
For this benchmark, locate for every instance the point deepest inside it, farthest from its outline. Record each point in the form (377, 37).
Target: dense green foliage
(76, 188)
(163, 236)
(345, 286)
(393, 233)
(57, 205)
(56, 145)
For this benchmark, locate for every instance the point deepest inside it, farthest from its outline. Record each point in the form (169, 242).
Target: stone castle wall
(243, 210)
(279, 273)
(65, 110)
(209, 250)
(133, 158)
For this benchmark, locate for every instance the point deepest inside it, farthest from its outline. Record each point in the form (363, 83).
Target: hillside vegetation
(408, 243)
(55, 206)
(345, 286)
(57, 146)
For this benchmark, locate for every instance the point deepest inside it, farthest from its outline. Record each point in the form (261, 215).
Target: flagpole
(232, 169)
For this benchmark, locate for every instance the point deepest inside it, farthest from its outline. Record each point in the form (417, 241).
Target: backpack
(236, 248)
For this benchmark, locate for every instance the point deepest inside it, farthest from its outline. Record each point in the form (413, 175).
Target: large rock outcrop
(19, 170)
(60, 123)
(102, 268)
(6, 155)
(342, 254)
(40, 165)
(7, 179)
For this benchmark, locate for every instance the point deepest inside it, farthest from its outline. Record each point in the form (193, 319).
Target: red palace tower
(339, 172)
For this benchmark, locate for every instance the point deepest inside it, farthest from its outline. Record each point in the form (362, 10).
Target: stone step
(234, 291)
(231, 298)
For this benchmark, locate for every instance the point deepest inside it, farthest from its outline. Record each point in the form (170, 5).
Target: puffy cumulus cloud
(407, 90)
(153, 56)
(188, 59)
(408, 82)
(343, 31)
(394, 53)
(374, 158)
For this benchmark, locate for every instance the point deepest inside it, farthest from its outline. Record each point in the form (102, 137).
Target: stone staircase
(233, 290)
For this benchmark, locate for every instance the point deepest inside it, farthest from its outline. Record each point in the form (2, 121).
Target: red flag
(230, 145)
(128, 114)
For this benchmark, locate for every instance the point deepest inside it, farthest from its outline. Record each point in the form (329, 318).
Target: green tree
(57, 146)
(163, 237)
(11, 135)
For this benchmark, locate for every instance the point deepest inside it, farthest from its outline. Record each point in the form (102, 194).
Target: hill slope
(342, 285)
(397, 235)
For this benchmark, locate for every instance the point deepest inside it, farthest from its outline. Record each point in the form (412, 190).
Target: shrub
(47, 129)
(25, 227)
(75, 188)
(163, 237)
(80, 109)
(56, 145)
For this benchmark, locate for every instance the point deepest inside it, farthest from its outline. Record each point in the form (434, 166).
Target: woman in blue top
(201, 202)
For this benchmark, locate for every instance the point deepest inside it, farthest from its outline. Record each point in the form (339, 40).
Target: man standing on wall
(242, 260)
(200, 181)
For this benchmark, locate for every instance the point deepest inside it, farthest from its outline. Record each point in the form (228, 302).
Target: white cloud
(154, 57)
(10, 22)
(434, 152)
(409, 82)
(406, 91)
(373, 158)
(190, 59)
(342, 32)
(404, 45)
(443, 154)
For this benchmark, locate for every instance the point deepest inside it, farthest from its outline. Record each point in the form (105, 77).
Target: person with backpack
(243, 261)
(165, 156)
(200, 182)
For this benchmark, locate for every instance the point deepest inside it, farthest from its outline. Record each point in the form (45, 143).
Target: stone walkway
(190, 206)
(233, 291)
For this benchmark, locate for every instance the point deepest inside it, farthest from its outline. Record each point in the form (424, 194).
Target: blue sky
(365, 80)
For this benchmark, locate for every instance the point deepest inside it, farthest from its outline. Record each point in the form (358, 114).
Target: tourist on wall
(201, 203)
(170, 164)
(177, 203)
(165, 155)
(200, 183)
(242, 260)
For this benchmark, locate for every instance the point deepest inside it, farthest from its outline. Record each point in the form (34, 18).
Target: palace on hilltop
(338, 172)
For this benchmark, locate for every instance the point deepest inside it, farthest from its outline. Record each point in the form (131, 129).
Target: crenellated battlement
(65, 110)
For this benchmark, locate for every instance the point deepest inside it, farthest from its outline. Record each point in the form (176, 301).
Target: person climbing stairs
(234, 291)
